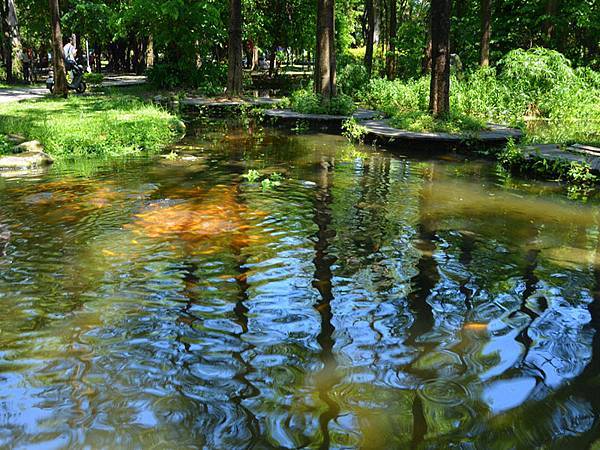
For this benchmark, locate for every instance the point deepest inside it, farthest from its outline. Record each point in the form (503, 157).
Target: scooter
(78, 85)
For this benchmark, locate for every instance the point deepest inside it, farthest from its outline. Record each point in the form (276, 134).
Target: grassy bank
(536, 90)
(96, 125)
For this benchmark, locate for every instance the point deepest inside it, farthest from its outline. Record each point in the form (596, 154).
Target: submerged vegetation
(96, 125)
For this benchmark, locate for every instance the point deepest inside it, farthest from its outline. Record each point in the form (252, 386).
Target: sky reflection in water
(370, 301)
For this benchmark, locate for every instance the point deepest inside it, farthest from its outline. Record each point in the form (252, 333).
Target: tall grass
(536, 90)
(81, 126)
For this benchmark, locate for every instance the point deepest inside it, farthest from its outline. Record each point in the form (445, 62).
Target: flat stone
(15, 138)
(29, 147)
(495, 134)
(224, 102)
(289, 115)
(25, 160)
(553, 152)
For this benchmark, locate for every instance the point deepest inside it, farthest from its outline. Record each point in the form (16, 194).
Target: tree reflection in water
(368, 302)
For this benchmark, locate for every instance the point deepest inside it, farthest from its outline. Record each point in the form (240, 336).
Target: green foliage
(208, 80)
(93, 78)
(84, 126)
(536, 90)
(270, 182)
(5, 146)
(353, 130)
(352, 78)
(307, 102)
(580, 174)
(252, 176)
(511, 157)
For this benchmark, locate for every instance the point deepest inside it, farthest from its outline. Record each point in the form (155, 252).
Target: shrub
(93, 78)
(307, 102)
(352, 79)
(209, 77)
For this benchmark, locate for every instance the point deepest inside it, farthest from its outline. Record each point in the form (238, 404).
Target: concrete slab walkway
(16, 94)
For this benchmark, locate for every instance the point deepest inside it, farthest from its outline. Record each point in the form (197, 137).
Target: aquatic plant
(353, 130)
(252, 175)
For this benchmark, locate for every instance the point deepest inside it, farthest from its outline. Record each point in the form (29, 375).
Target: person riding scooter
(75, 70)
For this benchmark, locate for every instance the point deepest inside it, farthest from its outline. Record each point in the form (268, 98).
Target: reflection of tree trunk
(419, 423)
(486, 31)
(241, 317)
(466, 256)
(439, 99)
(322, 282)
(427, 276)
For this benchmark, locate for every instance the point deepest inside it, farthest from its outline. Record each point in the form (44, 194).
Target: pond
(370, 300)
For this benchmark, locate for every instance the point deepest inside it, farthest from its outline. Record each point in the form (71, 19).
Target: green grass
(536, 90)
(94, 125)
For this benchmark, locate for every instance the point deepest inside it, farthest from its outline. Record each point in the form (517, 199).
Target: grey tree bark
(234, 75)
(439, 93)
(325, 64)
(58, 57)
(486, 31)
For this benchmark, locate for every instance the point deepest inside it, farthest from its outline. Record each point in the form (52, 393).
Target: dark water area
(371, 301)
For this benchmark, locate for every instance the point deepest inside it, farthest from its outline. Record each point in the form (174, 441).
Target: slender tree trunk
(234, 75)
(486, 31)
(11, 40)
(58, 57)
(370, 11)
(273, 61)
(254, 57)
(390, 60)
(325, 69)
(549, 23)
(439, 97)
(426, 62)
(150, 52)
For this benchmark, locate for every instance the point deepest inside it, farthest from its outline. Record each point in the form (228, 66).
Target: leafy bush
(209, 78)
(93, 78)
(307, 102)
(352, 79)
(5, 146)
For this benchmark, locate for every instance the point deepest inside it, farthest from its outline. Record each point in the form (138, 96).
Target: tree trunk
(390, 60)
(325, 70)
(426, 62)
(370, 11)
(486, 31)
(11, 40)
(150, 52)
(234, 75)
(550, 21)
(439, 96)
(58, 57)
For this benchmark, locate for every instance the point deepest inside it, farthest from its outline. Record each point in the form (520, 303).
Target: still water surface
(370, 301)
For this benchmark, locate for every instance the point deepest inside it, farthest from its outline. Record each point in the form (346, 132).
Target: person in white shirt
(70, 53)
